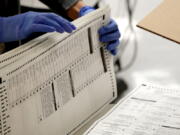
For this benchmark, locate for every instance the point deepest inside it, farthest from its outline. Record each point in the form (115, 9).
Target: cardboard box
(164, 20)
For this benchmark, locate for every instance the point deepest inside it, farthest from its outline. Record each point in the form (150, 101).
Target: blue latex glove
(108, 34)
(19, 27)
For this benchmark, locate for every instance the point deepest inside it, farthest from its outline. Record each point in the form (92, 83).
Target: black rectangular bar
(72, 84)
(103, 59)
(90, 41)
(54, 97)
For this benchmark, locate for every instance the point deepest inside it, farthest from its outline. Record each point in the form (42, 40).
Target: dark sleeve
(9, 7)
(57, 5)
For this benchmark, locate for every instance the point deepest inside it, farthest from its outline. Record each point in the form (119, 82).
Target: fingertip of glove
(114, 52)
(73, 27)
(101, 39)
(69, 31)
(51, 29)
(60, 31)
(101, 31)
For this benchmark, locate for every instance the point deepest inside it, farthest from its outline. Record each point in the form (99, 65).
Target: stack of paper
(57, 82)
(148, 110)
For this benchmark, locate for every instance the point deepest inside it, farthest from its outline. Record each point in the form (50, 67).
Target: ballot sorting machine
(56, 83)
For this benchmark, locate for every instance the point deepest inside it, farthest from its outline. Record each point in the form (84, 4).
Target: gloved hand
(19, 27)
(108, 34)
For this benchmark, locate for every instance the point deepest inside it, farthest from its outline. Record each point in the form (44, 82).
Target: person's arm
(73, 12)
(70, 8)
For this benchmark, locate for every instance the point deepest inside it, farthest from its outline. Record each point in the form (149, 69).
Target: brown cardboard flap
(164, 20)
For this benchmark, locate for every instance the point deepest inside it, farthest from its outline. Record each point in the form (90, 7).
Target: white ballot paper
(148, 110)
(56, 83)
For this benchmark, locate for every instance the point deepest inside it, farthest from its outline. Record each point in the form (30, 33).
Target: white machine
(56, 83)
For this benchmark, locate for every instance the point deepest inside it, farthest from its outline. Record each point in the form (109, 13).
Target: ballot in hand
(109, 34)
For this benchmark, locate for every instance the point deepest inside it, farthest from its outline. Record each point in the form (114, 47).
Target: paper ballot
(54, 84)
(148, 110)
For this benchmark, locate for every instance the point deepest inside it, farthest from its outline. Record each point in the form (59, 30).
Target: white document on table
(148, 110)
